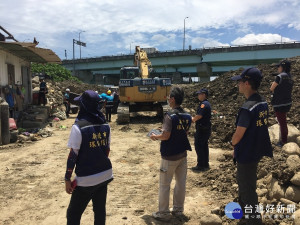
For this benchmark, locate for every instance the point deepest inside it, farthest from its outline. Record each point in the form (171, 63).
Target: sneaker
(165, 216)
(176, 212)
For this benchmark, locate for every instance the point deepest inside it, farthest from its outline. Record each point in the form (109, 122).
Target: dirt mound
(225, 100)
(79, 88)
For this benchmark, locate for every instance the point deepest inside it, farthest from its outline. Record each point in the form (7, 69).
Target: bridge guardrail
(199, 50)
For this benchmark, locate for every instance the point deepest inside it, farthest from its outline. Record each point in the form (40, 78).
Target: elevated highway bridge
(203, 63)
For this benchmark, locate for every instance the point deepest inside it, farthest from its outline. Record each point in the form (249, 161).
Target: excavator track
(123, 114)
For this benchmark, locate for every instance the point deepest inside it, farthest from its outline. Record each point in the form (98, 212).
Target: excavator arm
(141, 60)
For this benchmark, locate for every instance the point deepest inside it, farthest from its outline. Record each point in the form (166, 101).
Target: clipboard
(154, 131)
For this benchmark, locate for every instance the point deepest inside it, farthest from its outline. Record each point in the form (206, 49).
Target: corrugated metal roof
(29, 52)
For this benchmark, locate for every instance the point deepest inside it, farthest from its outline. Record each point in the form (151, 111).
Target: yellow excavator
(138, 92)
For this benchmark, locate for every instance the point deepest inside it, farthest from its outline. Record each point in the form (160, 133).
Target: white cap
(96, 92)
(67, 89)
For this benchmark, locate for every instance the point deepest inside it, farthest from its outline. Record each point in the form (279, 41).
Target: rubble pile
(79, 88)
(278, 181)
(225, 100)
(35, 118)
(278, 178)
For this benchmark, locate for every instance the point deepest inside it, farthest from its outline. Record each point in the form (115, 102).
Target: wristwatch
(231, 144)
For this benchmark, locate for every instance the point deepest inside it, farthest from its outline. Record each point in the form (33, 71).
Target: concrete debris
(297, 217)
(292, 135)
(293, 193)
(226, 100)
(291, 148)
(211, 219)
(296, 179)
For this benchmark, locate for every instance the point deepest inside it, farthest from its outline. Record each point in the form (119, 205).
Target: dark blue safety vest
(92, 158)
(256, 141)
(42, 86)
(178, 141)
(283, 92)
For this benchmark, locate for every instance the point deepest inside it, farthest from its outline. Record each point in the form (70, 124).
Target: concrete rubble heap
(278, 178)
(226, 100)
(36, 121)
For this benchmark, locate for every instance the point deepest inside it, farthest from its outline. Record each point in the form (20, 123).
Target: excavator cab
(129, 72)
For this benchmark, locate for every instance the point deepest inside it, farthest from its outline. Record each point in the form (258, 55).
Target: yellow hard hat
(108, 92)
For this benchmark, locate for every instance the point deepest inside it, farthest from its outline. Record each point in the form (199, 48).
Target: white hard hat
(67, 89)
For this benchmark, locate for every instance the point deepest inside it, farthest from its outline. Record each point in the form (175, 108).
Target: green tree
(55, 71)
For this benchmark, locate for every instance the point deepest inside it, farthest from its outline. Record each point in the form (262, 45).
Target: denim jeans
(81, 196)
(167, 170)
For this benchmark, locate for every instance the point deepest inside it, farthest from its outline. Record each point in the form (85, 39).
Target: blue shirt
(107, 97)
(204, 110)
(67, 96)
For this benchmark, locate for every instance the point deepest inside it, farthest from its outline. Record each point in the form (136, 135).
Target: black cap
(284, 63)
(203, 90)
(249, 74)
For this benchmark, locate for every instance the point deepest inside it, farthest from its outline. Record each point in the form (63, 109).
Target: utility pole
(73, 58)
(184, 32)
(80, 45)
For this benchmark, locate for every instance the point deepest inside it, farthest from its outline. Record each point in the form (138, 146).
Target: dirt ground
(32, 179)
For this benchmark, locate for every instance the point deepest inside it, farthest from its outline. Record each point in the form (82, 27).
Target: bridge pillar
(85, 76)
(204, 72)
(106, 79)
(98, 78)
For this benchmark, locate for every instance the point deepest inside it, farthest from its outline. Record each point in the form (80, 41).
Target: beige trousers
(167, 170)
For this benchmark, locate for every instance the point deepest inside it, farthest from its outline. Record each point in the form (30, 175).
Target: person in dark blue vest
(203, 131)
(42, 92)
(251, 140)
(173, 149)
(90, 145)
(282, 98)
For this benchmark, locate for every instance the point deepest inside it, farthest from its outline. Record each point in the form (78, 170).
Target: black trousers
(11, 112)
(42, 96)
(81, 196)
(246, 179)
(201, 146)
(108, 113)
(67, 105)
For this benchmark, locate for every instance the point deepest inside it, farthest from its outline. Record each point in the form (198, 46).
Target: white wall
(3, 69)
(7, 58)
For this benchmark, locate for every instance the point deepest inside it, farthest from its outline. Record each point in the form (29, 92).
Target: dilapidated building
(15, 73)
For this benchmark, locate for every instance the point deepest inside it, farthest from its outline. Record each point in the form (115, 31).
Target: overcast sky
(112, 27)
